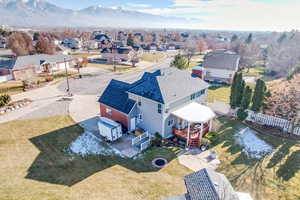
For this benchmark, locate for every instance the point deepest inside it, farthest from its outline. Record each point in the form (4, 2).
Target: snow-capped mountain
(41, 13)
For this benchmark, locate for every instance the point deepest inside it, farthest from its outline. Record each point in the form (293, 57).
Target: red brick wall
(24, 74)
(4, 72)
(115, 115)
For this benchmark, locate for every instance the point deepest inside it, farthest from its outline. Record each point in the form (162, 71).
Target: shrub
(4, 100)
(49, 78)
(206, 142)
(242, 114)
(157, 141)
(211, 135)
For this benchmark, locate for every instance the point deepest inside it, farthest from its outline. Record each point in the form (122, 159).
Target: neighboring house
(220, 66)
(3, 43)
(27, 67)
(121, 54)
(72, 43)
(5, 74)
(208, 184)
(91, 44)
(157, 103)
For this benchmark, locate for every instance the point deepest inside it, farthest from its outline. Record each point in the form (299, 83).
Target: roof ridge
(211, 182)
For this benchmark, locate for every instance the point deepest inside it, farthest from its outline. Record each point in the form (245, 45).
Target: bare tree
(202, 45)
(284, 54)
(190, 50)
(44, 46)
(21, 44)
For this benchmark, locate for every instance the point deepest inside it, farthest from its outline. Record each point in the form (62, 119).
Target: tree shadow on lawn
(287, 169)
(55, 165)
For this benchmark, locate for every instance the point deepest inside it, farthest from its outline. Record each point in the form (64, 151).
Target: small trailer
(109, 129)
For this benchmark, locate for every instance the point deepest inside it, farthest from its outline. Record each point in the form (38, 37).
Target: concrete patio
(196, 160)
(123, 145)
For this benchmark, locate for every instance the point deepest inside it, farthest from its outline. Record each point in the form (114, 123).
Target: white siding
(151, 119)
(6, 78)
(219, 73)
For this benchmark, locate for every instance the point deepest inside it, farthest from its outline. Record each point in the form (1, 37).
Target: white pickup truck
(109, 129)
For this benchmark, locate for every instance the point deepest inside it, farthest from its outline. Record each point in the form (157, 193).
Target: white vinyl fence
(5, 78)
(263, 119)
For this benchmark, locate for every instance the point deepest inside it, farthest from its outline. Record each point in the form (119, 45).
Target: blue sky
(212, 14)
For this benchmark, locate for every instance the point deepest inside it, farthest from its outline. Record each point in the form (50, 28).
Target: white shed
(109, 129)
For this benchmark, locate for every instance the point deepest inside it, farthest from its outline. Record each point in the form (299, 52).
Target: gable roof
(221, 59)
(115, 96)
(207, 184)
(21, 62)
(162, 86)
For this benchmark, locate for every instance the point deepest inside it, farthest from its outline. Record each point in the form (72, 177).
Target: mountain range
(40, 13)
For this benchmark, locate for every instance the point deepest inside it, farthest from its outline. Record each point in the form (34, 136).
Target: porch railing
(139, 138)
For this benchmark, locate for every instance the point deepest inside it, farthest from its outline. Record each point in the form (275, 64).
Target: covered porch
(192, 122)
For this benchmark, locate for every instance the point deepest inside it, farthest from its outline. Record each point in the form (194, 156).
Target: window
(193, 96)
(170, 122)
(139, 101)
(159, 108)
(108, 111)
(139, 118)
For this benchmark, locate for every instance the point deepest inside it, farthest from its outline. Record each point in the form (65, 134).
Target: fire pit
(159, 162)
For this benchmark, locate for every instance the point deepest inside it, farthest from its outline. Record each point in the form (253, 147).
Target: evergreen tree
(234, 38)
(249, 38)
(237, 89)
(259, 95)
(130, 40)
(240, 90)
(246, 98)
(232, 92)
(36, 36)
(179, 62)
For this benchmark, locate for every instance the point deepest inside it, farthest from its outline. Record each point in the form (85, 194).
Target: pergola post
(188, 135)
(210, 125)
(202, 129)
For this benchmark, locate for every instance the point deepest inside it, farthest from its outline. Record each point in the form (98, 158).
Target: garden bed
(14, 106)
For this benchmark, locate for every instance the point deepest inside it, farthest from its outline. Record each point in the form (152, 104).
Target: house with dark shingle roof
(207, 184)
(220, 66)
(150, 102)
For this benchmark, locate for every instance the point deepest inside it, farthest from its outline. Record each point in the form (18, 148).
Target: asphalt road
(86, 91)
(94, 81)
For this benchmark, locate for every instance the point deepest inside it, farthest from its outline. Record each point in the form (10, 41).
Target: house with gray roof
(207, 184)
(220, 66)
(26, 67)
(168, 102)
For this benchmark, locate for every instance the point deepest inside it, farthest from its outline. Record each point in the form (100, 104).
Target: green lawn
(275, 177)
(221, 94)
(35, 165)
(153, 57)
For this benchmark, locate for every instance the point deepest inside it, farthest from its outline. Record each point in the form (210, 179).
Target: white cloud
(235, 14)
(139, 5)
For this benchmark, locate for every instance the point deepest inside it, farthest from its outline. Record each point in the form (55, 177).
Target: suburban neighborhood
(134, 102)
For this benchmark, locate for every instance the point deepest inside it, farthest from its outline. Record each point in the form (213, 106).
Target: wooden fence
(268, 120)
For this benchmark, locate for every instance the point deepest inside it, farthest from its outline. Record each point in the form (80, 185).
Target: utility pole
(67, 75)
